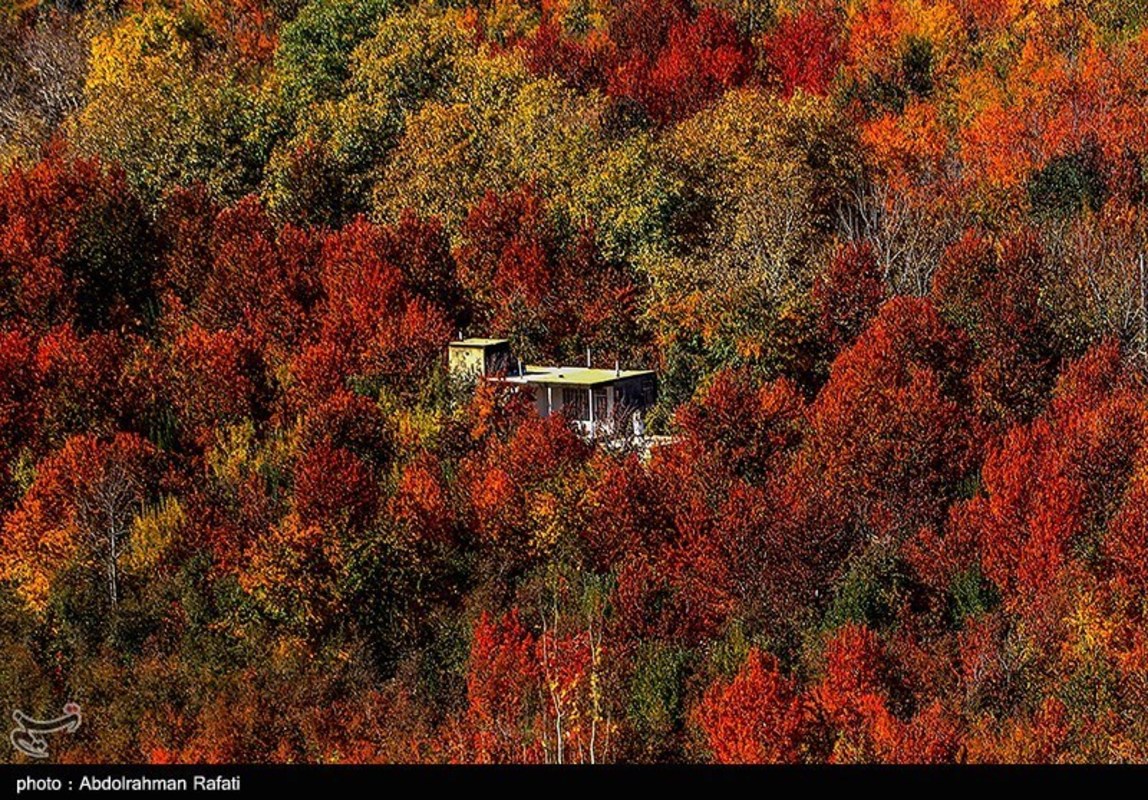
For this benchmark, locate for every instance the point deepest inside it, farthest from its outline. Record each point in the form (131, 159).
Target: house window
(600, 404)
(649, 392)
(575, 404)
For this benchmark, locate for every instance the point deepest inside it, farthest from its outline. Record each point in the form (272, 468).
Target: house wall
(555, 404)
(475, 360)
(622, 397)
(540, 400)
(496, 359)
(630, 391)
(468, 361)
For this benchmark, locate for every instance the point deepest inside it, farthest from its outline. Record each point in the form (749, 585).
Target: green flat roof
(476, 342)
(578, 376)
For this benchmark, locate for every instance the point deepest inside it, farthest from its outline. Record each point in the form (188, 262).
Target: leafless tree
(41, 77)
(1103, 274)
(557, 609)
(549, 657)
(908, 238)
(767, 241)
(104, 512)
(595, 629)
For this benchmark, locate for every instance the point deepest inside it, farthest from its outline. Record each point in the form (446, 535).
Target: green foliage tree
(325, 171)
(314, 56)
(151, 106)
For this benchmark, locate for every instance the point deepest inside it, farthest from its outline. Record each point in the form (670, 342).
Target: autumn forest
(886, 257)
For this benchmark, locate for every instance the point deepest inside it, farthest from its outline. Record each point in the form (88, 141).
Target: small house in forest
(599, 402)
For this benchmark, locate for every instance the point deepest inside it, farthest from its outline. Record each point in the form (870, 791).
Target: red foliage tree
(551, 295)
(517, 486)
(757, 718)
(19, 408)
(216, 378)
(421, 249)
(684, 588)
(1126, 544)
(508, 263)
(700, 576)
(83, 382)
(661, 54)
(75, 245)
(261, 279)
(993, 293)
(352, 422)
(502, 681)
(741, 428)
(933, 736)
(674, 65)
(804, 51)
(852, 699)
(422, 503)
(185, 223)
(889, 429)
(848, 294)
(625, 512)
(370, 318)
(581, 63)
(335, 489)
(1054, 484)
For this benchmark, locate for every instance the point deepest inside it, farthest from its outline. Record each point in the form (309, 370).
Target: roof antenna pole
(617, 369)
(587, 358)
